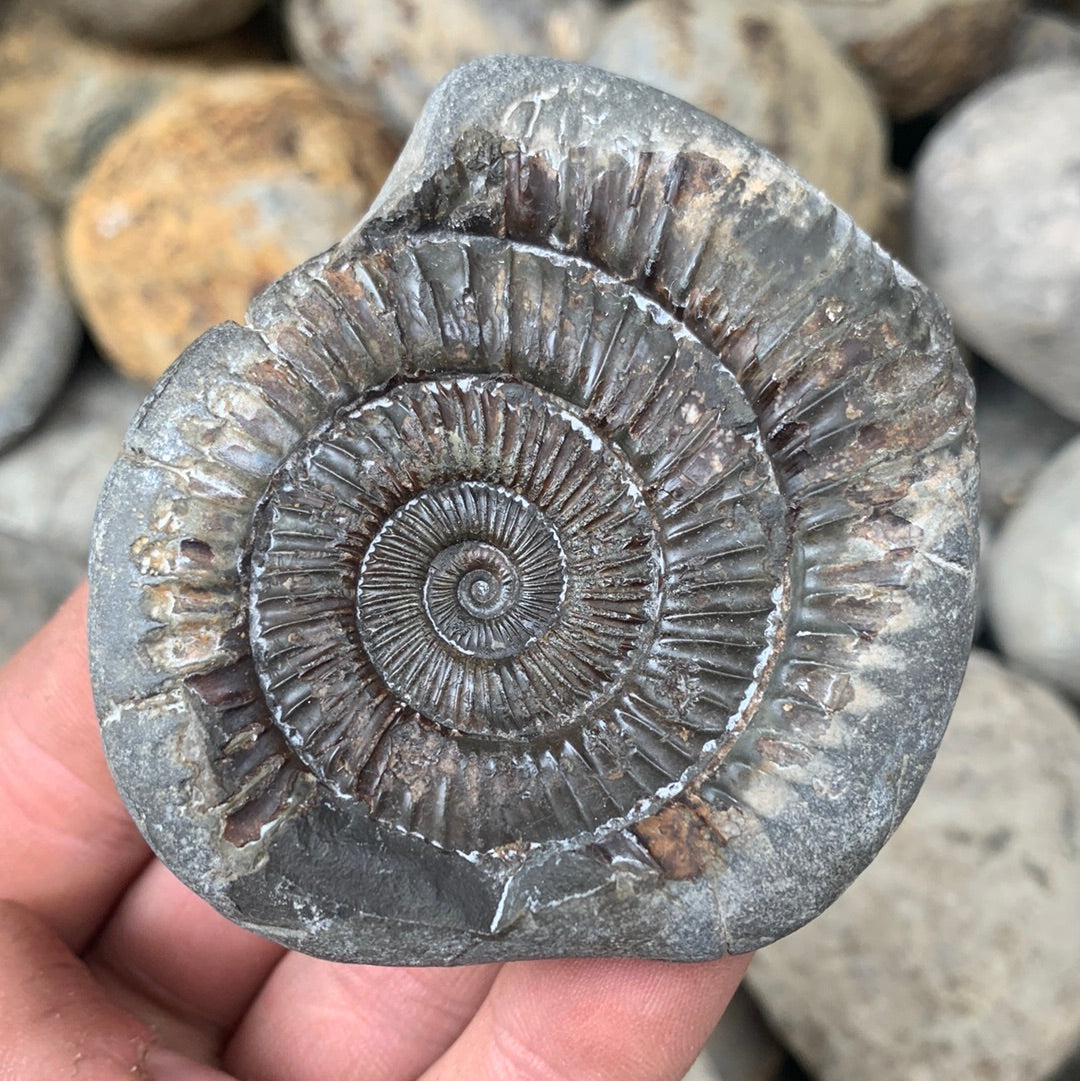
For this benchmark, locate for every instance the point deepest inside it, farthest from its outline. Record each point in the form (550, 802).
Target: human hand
(112, 970)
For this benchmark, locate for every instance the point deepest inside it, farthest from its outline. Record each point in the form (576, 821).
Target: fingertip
(164, 1065)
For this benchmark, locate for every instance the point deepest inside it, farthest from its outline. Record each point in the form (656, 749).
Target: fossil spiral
(577, 558)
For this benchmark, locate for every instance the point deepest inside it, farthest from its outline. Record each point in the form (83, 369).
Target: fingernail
(163, 1065)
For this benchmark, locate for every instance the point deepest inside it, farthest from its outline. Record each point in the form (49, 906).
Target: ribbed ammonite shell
(577, 559)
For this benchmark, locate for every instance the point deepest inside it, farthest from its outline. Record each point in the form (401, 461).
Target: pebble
(390, 54)
(63, 96)
(1044, 37)
(1018, 434)
(39, 332)
(206, 199)
(50, 483)
(763, 68)
(956, 954)
(919, 53)
(158, 22)
(996, 226)
(1034, 576)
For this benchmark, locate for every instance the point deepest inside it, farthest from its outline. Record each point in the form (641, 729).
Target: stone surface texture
(576, 559)
(205, 199)
(996, 224)
(39, 332)
(1034, 575)
(763, 68)
(1018, 434)
(956, 953)
(63, 95)
(1044, 37)
(390, 54)
(919, 53)
(51, 482)
(157, 22)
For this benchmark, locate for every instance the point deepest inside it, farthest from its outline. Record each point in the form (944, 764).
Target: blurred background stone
(1044, 37)
(157, 22)
(207, 198)
(63, 96)
(51, 482)
(388, 55)
(1034, 576)
(956, 954)
(39, 331)
(919, 53)
(1018, 434)
(996, 226)
(762, 67)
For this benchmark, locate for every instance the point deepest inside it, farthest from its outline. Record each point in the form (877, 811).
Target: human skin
(110, 969)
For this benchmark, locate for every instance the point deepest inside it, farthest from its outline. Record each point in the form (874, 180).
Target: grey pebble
(956, 954)
(1034, 575)
(1018, 434)
(51, 483)
(763, 68)
(39, 332)
(996, 226)
(389, 54)
(1042, 37)
(158, 22)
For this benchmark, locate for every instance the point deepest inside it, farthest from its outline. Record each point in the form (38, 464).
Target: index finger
(68, 848)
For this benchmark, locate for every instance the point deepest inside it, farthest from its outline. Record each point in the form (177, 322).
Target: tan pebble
(63, 96)
(211, 195)
(763, 68)
(919, 53)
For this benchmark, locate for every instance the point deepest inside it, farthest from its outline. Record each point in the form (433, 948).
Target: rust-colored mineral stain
(680, 838)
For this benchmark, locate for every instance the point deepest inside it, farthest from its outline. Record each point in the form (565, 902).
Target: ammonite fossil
(576, 559)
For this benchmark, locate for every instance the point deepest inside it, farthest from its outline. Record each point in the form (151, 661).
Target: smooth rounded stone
(764, 69)
(199, 204)
(1018, 434)
(996, 226)
(63, 96)
(390, 54)
(50, 483)
(956, 953)
(1034, 575)
(1044, 37)
(554, 565)
(157, 22)
(919, 53)
(39, 331)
